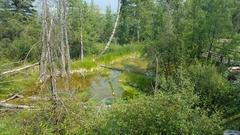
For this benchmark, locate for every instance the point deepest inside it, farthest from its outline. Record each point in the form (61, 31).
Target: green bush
(159, 114)
(210, 85)
(129, 92)
(141, 82)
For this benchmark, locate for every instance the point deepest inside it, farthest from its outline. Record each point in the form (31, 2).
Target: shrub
(210, 86)
(159, 114)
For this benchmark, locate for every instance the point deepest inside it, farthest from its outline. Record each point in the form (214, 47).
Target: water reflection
(106, 87)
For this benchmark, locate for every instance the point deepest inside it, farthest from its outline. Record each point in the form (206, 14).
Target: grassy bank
(115, 52)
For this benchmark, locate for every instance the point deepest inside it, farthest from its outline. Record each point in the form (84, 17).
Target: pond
(106, 88)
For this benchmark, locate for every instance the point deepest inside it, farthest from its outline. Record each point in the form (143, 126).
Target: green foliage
(141, 82)
(176, 34)
(210, 86)
(88, 63)
(112, 54)
(129, 92)
(23, 83)
(85, 19)
(19, 30)
(159, 114)
(108, 25)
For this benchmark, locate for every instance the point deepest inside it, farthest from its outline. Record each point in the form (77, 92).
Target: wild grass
(114, 52)
(22, 83)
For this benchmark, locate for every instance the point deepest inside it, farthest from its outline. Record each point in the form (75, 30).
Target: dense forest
(153, 67)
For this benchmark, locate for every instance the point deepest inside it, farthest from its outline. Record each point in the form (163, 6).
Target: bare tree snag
(65, 49)
(43, 60)
(81, 32)
(68, 59)
(81, 42)
(47, 52)
(114, 28)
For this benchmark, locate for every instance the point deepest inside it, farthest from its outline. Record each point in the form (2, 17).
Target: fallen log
(113, 68)
(18, 69)
(235, 69)
(14, 96)
(6, 110)
(12, 106)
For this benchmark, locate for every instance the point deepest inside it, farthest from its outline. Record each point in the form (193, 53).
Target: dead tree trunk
(81, 42)
(65, 49)
(53, 86)
(157, 76)
(47, 50)
(43, 60)
(114, 28)
(12, 106)
(81, 32)
(66, 38)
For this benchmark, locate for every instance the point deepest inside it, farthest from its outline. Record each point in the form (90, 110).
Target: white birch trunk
(114, 28)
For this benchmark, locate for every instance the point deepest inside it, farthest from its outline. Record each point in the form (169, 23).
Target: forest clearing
(120, 67)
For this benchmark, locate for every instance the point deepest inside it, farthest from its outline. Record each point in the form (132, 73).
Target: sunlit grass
(114, 52)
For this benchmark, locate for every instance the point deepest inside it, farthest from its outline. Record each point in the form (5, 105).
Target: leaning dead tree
(114, 28)
(65, 49)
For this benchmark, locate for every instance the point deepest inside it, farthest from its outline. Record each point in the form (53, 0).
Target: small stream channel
(107, 87)
(103, 85)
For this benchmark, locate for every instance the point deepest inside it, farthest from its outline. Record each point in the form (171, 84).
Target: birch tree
(114, 28)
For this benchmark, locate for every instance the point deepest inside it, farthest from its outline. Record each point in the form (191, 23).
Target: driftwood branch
(18, 69)
(12, 106)
(14, 96)
(7, 106)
